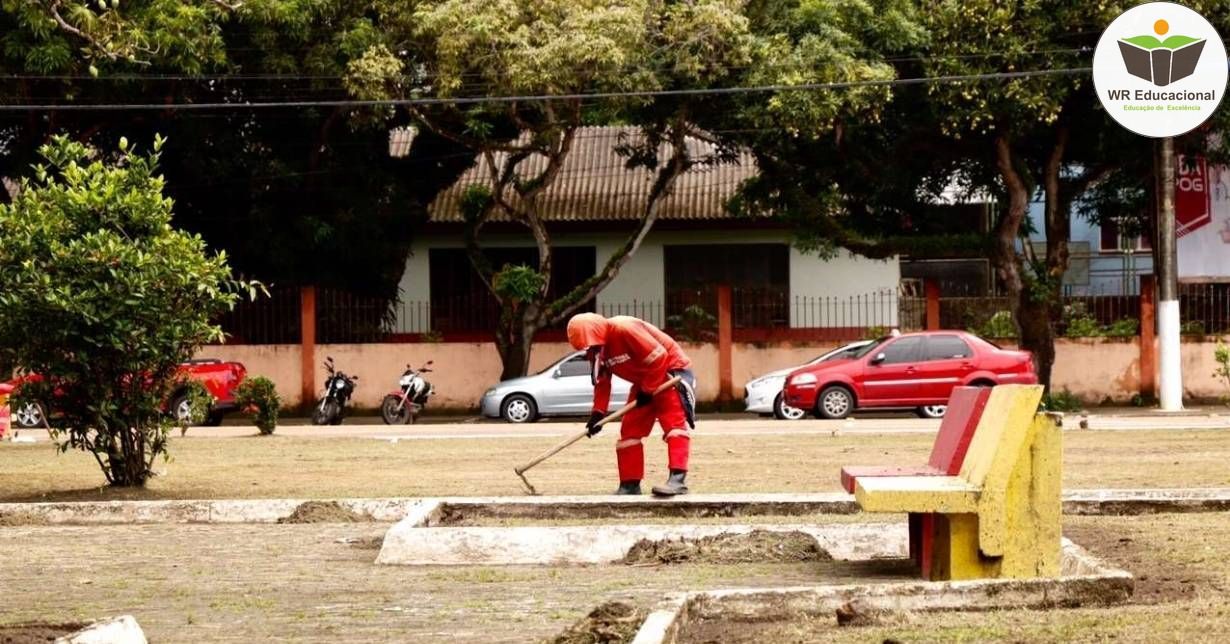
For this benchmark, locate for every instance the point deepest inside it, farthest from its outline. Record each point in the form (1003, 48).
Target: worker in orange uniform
(642, 354)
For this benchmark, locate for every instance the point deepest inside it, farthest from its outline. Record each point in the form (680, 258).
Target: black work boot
(629, 488)
(675, 484)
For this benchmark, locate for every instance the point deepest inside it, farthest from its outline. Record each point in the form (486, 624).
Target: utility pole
(1166, 268)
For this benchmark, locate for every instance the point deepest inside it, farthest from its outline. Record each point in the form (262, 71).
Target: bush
(874, 333)
(1193, 327)
(259, 397)
(694, 325)
(1061, 401)
(199, 403)
(104, 299)
(1000, 325)
(1083, 327)
(1222, 356)
(1124, 328)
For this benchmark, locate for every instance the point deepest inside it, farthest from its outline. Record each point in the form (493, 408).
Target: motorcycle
(404, 404)
(338, 389)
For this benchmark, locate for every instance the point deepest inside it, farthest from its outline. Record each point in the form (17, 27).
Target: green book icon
(1161, 62)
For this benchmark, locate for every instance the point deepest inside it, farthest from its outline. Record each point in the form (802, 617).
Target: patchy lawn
(1182, 564)
(278, 466)
(191, 583)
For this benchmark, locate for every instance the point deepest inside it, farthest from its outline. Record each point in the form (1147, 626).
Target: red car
(220, 380)
(915, 370)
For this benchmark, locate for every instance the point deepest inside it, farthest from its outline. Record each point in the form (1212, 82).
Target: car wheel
(932, 411)
(519, 408)
(181, 410)
(30, 416)
(835, 402)
(782, 411)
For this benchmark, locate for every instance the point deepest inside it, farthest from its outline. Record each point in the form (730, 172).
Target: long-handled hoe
(613, 416)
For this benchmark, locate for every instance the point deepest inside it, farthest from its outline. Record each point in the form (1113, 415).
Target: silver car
(563, 389)
(764, 394)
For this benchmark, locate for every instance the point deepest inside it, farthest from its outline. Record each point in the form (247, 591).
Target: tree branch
(679, 163)
(54, 9)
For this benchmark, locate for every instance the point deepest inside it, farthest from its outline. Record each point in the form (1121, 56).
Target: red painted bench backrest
(957, 429)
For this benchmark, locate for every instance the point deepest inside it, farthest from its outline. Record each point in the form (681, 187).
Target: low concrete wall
(1095, 369)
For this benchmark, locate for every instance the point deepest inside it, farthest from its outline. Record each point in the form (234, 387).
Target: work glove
(593, 425)
(644, 399)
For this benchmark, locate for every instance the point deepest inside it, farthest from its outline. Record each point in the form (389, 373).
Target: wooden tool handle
(611, 417)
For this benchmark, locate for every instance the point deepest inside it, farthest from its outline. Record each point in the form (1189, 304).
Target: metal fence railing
(343, 317)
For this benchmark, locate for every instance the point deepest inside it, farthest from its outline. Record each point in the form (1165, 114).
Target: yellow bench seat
(937, 494)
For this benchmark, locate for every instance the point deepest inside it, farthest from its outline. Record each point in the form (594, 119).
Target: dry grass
(269, 467)
(1182, 564)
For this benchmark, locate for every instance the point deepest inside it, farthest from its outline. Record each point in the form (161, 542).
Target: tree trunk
(1037, 317)
(514, 341)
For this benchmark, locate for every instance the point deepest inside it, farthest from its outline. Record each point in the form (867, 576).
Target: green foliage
(432, 336)
(475, 201)
(999, 325)
(1123, 328)
(874, 333)
(259, 396)
(1193, 327)
(1083, 326)
(1064, 401)
(695, 324)
(104, 299)
(199, 402)
(518, 283)
(1221, 355)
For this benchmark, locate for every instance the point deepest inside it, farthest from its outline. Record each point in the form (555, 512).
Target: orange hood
(587, 330)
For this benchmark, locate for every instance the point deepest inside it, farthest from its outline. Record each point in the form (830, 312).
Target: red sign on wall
(1192, 196)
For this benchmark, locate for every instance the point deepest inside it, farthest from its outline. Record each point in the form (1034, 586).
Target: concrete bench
(999, 516)
(965, 408)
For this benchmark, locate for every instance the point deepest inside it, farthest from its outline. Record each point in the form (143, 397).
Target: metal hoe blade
(525, 483)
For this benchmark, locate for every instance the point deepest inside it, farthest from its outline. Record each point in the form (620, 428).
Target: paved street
(726, 425)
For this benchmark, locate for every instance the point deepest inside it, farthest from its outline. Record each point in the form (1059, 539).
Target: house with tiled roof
(592, 208)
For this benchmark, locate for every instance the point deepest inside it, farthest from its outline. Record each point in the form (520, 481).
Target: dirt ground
(317, 582)
(1182, 568)
(273, 467)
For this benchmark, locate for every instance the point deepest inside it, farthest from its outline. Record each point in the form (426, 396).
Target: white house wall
(642, 280)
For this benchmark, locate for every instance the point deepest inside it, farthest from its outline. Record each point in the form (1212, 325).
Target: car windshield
(864, 350)
(556, 365)
(843, 354)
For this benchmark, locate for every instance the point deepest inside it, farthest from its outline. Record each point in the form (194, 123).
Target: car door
(891, 373)
(571, 390)
(947, 359)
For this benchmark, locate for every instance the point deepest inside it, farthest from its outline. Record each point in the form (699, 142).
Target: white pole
(1168, 323)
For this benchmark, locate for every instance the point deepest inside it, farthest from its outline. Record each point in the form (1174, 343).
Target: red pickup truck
(220, 380)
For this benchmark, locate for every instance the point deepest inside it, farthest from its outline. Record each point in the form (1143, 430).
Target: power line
(473, 100)
(665, 66)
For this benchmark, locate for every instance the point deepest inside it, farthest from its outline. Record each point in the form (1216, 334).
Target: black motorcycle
(404, 404)
(338, 389)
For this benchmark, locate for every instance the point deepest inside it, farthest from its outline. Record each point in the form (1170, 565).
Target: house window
(1113, 239)
(759, 275)
(461, 302)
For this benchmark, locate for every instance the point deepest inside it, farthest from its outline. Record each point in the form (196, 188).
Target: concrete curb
(116, 630)
(408, 544)
(452, 510)
(1086, 581)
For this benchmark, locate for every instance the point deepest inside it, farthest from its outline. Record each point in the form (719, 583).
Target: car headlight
(804, 379)
(490, 392)
(756, 384)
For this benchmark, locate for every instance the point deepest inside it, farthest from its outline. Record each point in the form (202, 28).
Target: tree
(1043, 135)
(278, 188)
(104, 299)
(559, 47)
(870, 186)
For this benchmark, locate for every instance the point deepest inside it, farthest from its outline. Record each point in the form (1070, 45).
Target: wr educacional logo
(1158, 61)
